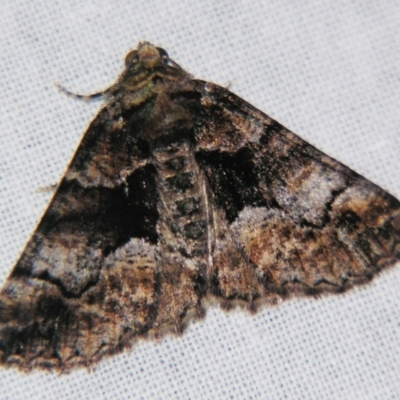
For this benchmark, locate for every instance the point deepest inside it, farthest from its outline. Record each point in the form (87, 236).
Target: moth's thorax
(138, 89)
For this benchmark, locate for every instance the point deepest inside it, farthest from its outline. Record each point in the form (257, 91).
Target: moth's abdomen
(182, 237)
(182, 200)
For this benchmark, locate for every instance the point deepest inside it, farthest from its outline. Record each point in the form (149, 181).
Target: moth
(179, 196)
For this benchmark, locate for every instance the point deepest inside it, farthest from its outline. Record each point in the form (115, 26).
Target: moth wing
(287, 218)
(85, 285)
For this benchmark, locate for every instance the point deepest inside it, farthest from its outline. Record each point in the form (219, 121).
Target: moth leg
(46, 189)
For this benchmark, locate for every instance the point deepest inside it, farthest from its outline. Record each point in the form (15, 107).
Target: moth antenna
(81, 96)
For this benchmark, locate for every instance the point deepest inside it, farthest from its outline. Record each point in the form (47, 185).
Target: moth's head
(149, 57)
(146, 66)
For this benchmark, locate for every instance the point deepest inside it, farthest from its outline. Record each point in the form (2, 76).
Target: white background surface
(329, 71)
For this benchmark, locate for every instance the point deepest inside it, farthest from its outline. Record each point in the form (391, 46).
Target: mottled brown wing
(287, 218)
(86, 283)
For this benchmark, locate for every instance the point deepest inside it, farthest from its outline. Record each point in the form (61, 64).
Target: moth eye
(165, 57)
(163, 53)
(130, 57)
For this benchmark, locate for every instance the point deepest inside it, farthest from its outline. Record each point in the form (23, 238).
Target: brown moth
(181, 193)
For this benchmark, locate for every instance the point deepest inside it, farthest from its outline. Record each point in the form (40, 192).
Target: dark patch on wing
(233, 180)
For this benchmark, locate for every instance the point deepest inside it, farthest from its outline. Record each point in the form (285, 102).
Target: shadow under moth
(179, 196)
